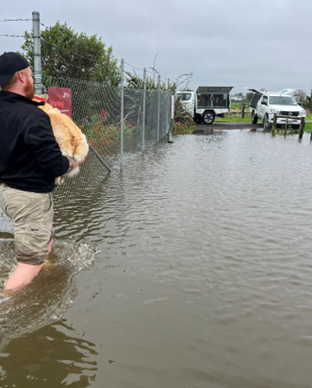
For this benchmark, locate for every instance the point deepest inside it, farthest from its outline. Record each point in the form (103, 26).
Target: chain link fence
(118, 123)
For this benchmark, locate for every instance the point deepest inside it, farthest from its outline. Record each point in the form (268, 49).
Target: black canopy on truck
(213, 97)
(214, 89)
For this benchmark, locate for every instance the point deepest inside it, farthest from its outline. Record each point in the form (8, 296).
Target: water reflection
(52, 356)
(204, 274)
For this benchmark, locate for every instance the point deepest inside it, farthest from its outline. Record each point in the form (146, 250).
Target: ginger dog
(71, 140)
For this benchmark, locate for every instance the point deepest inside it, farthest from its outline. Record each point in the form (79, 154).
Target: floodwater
(190, 267)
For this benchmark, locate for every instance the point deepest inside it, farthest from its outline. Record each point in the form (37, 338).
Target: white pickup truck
(264, 105)
(207, 102)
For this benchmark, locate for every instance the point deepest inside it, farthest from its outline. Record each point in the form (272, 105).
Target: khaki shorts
(32, 217)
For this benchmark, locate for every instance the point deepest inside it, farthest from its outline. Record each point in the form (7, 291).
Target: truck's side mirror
(264, 103)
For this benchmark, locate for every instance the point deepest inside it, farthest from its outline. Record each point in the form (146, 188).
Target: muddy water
(189, 267)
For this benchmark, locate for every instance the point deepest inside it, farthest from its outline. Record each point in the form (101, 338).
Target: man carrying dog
(30, 160)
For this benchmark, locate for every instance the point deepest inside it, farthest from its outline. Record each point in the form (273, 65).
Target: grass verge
(183, 128)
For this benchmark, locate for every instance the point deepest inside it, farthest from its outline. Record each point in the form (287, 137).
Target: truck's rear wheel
(208, 117)
(254, 118)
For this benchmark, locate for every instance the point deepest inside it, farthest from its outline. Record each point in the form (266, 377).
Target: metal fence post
(121, 110)
(158, 111)
(167, 110)
(37, 53)
(144, 107)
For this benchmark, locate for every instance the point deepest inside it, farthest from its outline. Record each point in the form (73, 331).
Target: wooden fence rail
(301, 126)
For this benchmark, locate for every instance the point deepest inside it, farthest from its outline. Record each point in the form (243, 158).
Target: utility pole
(37, 53)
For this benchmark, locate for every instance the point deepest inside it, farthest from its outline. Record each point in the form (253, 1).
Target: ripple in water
(48, 296)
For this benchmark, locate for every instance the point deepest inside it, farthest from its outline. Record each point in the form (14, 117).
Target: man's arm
(39, 136)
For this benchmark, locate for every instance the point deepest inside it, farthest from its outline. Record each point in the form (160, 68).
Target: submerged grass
(183, 128)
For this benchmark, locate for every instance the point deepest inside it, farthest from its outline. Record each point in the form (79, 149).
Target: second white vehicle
(207, 102)
(264, 105)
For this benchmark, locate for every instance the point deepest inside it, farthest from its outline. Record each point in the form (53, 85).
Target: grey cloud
(241, 43)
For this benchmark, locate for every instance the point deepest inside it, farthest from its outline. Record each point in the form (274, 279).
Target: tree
(66, 53)
(301, 96)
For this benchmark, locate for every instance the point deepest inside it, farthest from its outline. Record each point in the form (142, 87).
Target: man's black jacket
(30, 157)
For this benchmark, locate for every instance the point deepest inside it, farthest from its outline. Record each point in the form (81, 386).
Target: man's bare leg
(24, 273)
(49, 248)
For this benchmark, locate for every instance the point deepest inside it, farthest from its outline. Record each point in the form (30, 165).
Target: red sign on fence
(60, 98)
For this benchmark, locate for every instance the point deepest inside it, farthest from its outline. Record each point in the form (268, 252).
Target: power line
(133, 67)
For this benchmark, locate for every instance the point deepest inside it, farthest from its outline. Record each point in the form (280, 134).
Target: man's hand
(73, 163)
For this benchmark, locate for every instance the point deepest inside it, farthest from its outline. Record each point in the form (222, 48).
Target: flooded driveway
(189, 267)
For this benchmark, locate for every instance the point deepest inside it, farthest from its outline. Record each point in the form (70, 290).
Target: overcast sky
(240, 43)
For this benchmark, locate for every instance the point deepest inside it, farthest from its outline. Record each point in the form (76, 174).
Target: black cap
(10, 63)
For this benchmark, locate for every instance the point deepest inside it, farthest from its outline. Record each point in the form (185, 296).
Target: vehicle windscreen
(186, 96)
(278, 100)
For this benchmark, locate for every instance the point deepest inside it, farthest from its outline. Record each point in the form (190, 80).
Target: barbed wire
(137, 68)
(14, 20)
(147, 70)
(128, 64)
(20, 20)
(13, 36)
